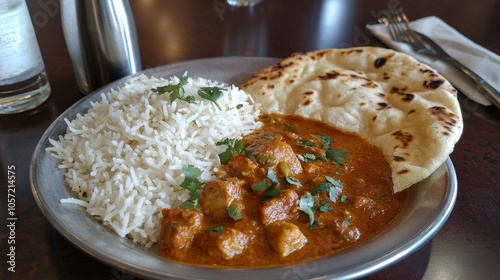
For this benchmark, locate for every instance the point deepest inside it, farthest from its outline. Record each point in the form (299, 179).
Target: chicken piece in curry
(292, 191)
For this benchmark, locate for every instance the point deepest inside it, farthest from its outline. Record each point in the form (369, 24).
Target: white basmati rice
(123, 158)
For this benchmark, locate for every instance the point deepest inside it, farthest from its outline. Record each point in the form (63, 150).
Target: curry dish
(292, 191)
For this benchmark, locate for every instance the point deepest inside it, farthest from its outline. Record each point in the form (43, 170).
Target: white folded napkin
(483, 62)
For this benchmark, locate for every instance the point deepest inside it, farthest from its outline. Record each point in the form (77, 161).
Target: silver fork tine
(406, 22)
(403, 33)
(390, 27)
(396, 24)
(393, 24)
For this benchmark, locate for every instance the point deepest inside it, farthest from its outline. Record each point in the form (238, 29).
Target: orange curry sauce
(300, 190)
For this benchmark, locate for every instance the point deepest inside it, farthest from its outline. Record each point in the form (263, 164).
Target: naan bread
(390, 99)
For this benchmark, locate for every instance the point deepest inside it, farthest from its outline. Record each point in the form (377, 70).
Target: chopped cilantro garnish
(192, 184)
(321, 188)
(189, 204)
(307, 157)
(211, 94)
(273, 192)
(307, 205)
(306, 143)
(267, 137)
(233, 145)
(191, 171)
(334, 182)
(176, 91)
(218, 228)
(233, 212)
(271, 176)
(331, 185)
(343, 198)
(325, 207)
(225, 156)
(267, 188)
(249, 155)
(293, 181)
(174, 225)
(325, 140)
(261, 186)
(339, 157)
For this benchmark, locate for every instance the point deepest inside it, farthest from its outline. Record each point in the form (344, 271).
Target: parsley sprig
(234, 212)
(307, 204)
(269, 190)
(217, 229)
(192, 184)
(331, 185)
(211, 94)
(233, 145)
(176, 91)
(339, 157)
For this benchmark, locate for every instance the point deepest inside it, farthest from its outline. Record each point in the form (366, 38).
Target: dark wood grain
(467, 247)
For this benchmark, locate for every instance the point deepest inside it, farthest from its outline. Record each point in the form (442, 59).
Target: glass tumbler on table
(23, 80)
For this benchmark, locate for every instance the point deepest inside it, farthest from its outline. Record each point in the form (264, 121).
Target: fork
(400, 31)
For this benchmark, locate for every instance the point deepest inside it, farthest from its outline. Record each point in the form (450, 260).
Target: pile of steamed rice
(123, 158)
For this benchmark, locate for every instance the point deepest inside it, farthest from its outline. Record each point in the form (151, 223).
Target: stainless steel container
(101, 39)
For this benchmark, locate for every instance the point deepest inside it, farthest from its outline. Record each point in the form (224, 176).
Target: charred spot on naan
(433, 84)
(329, 75)
(398, 158)
(272, 73)
(306, 96)
(403, 171)
(398, 90)
(383, 106)
(434, 80)
(307, 102)
(350, 51)
(446, 118)
(431, 73)
(405, 97)
(276, 72)
(318, 54)
(381, 61)
(402, 93)
(405, 138)
(370, 84)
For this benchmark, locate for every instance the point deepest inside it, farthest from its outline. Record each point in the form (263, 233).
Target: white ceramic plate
(430, 204)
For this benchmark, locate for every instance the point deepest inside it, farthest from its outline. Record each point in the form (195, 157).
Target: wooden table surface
(468, 245)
